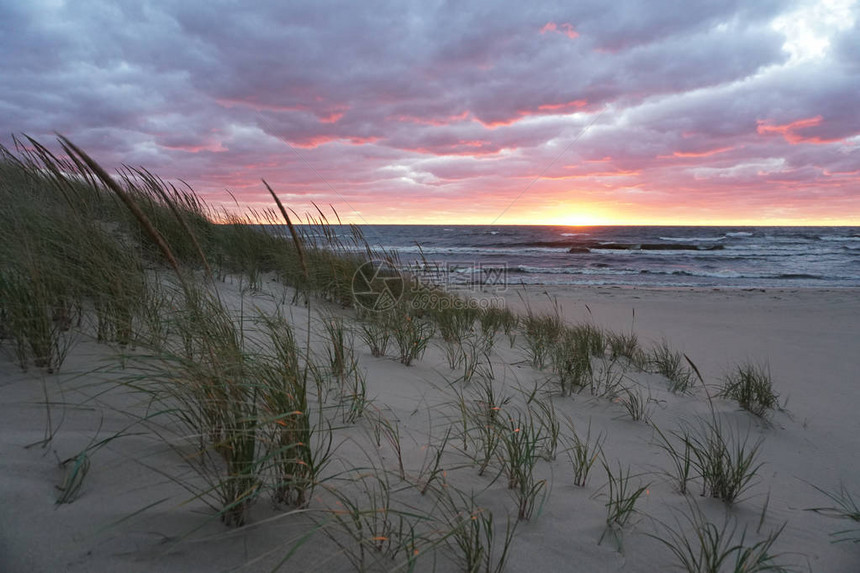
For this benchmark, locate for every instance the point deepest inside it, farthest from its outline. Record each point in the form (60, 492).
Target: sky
(506, 112)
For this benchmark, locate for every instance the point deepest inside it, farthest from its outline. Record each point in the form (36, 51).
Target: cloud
(389, 106)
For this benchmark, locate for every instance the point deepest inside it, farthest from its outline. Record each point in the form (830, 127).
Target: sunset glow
(564, 115)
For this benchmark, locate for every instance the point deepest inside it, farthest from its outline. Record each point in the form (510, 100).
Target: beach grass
(541, 331)
(751, 386)
(474, 538)
(583, 452)
(678, 446)
(411, 333)
(571, 360)
(846, 508)
(699, 545)
(522, 441)
(637, 402)
(671, 364)
(622, 495)
(725, 458)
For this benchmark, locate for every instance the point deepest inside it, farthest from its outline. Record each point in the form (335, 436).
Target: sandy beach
(132, 512)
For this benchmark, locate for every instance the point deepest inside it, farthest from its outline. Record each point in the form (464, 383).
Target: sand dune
(132, 512)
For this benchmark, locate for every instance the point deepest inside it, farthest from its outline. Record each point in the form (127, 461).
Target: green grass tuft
(750, 385)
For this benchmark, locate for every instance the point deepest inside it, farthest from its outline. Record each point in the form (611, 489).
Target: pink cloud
(790, 130)
(257, 106)
(332, 117)
(566, 29)
(562, 107)
(326, 113)
(697, 154)
(214, 147)
(594, 174)
(461, 148)
(540, 110)
(312, 142)
(436, 122)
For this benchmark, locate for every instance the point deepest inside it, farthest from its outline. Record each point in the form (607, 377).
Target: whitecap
(692, 239)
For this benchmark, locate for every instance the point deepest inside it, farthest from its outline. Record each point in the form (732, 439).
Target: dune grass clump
(339, 343)
(35, 316)
(665, 361)
(296, 448)
(607, 379)
(726, 461)
(466, 344)
(411, 333)
(237, 410)
(494, 319)
(623, 345)
(454, 318)
(482, 410)
(701, 546)
(750, 385)
(455, 324)
(637, 403)
(522, 443)
(432, 470)
(376, 330)
(541, 333)
(475, 351)
(473, 537)
(373, 530)
(61, 261)
(846, 508)
(583, 453)
(544, 412)
(571, 361)
(207, 387)
(353, 399)
(573, 354)
(678, 446)
(594, 338)
(622, 496)
(723, 459)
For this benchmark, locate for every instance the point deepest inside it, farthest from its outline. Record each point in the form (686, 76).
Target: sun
(583, 220)
(580, 216)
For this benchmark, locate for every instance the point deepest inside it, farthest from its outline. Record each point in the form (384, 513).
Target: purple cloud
(360, 104)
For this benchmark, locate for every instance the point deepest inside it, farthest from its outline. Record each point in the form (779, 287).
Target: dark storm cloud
(426, 98)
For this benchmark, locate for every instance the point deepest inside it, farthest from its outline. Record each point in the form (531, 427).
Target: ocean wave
(723, 274)
(653, 247)
(743, 275)
(703, 239)
(575, 234)
(550, 244)
(840, 238)
(738, 234)
(571, 270)
(474, 251)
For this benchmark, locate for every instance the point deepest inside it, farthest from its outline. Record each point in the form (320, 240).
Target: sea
(649, 256)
